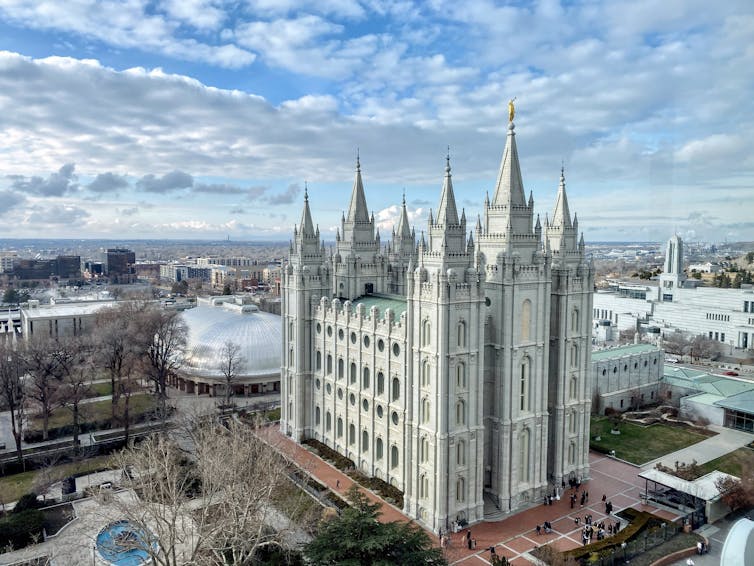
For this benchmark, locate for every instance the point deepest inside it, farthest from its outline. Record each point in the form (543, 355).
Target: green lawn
(97, 411)
(102, 388)
(639, 444)
(13, 487)
(733, 463)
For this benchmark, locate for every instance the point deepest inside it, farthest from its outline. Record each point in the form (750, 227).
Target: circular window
(604, 371)
(352, 399)
(487, 301)
(380, 345)
(396, 350)
(340, 393)
(365, 405)
(353, 338)
(366, 341)
(379, 411)
(394, 417)
(328, 388)
(340, 334)
(329, 330)
(319, 328)
(317, 384)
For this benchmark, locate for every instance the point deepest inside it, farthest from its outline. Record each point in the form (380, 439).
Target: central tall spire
(562, 215)
(357, 210)
(306, 226)
(403, 229)
(510, 187)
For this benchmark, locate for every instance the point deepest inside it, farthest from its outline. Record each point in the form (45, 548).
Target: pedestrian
(468, 543)
(576, 520)
(586, 495)
(699, 548)
(573, 500)
(689, 562)
(562, 484)
(549, 499)
(337, 484)
(604, 498)
(468, 534)
(539, 530)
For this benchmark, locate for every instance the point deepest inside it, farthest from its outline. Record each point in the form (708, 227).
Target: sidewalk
(513, 536)
(726, 440)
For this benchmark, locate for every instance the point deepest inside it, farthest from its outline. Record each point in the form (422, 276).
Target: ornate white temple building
(455, 367)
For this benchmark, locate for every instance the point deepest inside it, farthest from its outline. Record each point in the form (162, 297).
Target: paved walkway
(513, 536)
(726, 440)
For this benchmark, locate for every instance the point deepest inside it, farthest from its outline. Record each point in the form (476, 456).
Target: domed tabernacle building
(216, 321)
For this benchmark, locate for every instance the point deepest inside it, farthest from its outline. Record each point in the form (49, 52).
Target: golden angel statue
(511, 109)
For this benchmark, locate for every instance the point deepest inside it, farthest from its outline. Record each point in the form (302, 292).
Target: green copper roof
(629, 350)
(383, 302)
(743, 402)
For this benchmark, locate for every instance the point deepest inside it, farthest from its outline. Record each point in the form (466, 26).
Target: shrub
(26, 502)
(18, 530)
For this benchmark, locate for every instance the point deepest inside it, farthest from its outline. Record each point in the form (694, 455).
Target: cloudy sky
(205, 118)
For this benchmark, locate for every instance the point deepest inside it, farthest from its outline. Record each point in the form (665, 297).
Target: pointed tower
(359, 267)
(445, 308)
(562, 233)
(569, 390)
(306, 278)
(508, 218)
(402, 251)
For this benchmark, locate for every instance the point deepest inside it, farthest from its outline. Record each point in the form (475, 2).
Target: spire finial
(404, 196)
(306, 190)
(511, 109)
(447, 161)
(358, 160)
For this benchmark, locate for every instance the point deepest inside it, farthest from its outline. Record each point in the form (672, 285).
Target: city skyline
(204, 119)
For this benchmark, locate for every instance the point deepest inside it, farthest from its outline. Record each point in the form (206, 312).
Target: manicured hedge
(637, 524)
(338, 460)
(18, 530)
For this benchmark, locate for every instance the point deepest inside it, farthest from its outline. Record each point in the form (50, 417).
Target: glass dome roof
(259, 334)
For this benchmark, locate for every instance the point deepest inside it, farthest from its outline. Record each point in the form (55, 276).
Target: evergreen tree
(357, 538)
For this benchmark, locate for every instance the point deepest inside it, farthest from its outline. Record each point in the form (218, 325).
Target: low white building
(59, 320)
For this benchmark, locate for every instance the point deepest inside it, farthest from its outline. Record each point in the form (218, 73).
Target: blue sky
(204, 118)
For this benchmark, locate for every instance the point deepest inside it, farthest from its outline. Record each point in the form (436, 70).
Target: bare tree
(230, 363)
(212, 506)
(76, 367)
(737, 493)
(163, 334)
(43, 367)
(12, 391)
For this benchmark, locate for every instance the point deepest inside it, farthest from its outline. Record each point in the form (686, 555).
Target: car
(731, 372)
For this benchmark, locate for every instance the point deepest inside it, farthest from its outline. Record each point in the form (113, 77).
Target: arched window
(329, 364)
(461, 376)
(290, 357)
(341, 368)
(316, 416)
(364, 441)
(524, 455)
(396, 392)
(574, 355)
(525, 320)
(425, 410)
(393, 456)
(572, 453)
(425, 373)
(352, 373)
(573, 389)
(423, 486)
(424, 449)
(461, 453)
(378, 449)
(365, 382)
(426, 333)
(319, 360)
(380, 383)
(461, 413)
(524, 385)
(461, 335)
(351, 434)
(460, 490)
(572, 422)
(575, 320)
(339, 430)
(328, 421)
